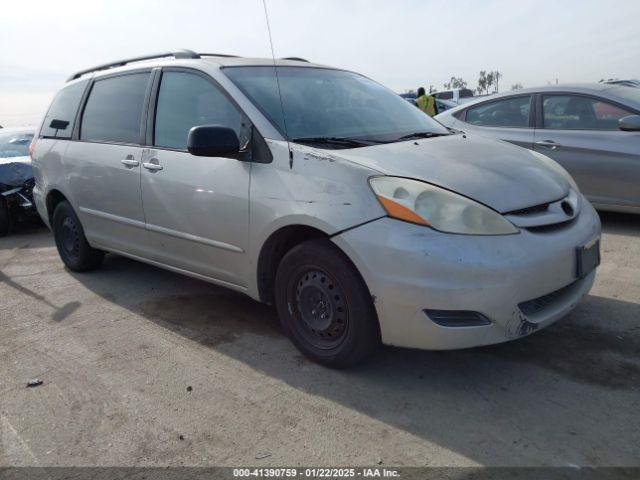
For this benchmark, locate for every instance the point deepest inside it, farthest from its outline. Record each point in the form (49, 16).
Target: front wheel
(325, 306)
(74, 250)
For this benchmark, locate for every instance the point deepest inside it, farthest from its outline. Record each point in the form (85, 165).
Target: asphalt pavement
(141, 366)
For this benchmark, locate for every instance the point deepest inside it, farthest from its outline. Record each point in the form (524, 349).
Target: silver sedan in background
(592, 130)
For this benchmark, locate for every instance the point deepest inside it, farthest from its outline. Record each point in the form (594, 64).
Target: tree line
(488, 82)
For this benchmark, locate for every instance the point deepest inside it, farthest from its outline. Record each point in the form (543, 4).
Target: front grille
(553, 227)
(531, 210)
(531, 307)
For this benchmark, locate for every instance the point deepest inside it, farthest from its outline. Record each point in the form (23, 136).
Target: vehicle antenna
(275, 69)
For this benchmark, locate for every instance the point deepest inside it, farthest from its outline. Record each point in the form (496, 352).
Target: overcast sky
(401, 43)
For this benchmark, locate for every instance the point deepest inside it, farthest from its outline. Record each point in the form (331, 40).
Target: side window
(511, 112)
(114, 109)
(186, 100)
(445, 95)
(63, 108)
(573, 112)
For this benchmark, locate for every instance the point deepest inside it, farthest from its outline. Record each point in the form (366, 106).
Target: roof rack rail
(226, 55)
(295, 59)
(120, 63)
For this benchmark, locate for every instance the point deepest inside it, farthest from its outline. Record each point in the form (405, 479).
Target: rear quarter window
(63, 108)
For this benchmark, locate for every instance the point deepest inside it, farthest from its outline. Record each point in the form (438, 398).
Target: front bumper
(409, 268)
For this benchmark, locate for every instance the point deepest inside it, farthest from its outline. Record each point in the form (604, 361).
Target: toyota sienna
(319, 191)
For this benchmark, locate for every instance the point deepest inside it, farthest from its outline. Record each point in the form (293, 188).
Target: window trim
(87, 95)
(462, 115)
(539, 120)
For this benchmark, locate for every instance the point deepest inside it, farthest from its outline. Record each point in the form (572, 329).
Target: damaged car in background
(16, 178)
(363, 220)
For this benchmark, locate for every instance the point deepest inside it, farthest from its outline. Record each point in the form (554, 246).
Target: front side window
(510, 112)
(466, 93)
(114, 109)
(63, 109)
(186, 100)
(445, 95)
(327, 103)
(574, 112)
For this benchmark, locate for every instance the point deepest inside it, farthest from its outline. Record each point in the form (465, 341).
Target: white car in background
(455, 95)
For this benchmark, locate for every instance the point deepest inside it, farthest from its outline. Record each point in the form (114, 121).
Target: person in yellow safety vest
(426, 103)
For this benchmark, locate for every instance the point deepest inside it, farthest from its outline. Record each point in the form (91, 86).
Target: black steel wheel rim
(69, 237)
(319, 307)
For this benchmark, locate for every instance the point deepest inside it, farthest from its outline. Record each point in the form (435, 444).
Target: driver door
(196, 208)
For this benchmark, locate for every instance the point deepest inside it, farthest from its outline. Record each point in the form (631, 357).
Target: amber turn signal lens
(395, 210)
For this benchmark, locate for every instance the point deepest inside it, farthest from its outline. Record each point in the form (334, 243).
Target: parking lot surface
(141, 366)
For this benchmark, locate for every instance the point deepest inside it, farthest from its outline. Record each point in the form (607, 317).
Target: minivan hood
(495, 173)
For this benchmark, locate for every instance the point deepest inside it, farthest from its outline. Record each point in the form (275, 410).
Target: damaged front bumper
(442, 291)
(16, 190)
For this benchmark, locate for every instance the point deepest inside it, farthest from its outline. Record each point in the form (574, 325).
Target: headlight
(556, 167)
(425, 204)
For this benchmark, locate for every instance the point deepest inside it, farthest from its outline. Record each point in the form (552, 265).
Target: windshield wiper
(339, 141)
(421, 135)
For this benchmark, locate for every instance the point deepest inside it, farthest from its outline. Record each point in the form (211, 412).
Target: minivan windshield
(333, 107)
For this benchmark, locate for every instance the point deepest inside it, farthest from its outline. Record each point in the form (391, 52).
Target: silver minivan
(318, 190)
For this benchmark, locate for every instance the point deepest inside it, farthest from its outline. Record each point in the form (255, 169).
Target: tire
(5, 220)
(74, 250)
(325, 306)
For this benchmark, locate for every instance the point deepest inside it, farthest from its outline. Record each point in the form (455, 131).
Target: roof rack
(226, 55)
(120, 63)
(178, 54)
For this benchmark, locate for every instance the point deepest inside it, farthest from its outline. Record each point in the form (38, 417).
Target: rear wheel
(74, 250)
(325, 306)
(5, 221)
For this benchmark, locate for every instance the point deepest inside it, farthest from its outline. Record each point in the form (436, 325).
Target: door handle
(152, 166)
(550, 144)
(129, 161)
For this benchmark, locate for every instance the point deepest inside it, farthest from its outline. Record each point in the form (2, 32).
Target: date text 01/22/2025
(315, 472)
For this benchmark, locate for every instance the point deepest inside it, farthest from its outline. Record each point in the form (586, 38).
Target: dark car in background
(16, 178)
(592, 130)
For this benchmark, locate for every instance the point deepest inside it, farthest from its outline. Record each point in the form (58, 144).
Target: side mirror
(630, 123)
(213, 141)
